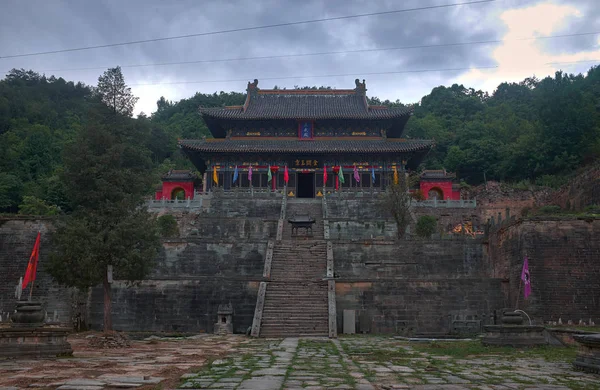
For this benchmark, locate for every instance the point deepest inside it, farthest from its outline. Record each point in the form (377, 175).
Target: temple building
(439, 184)
(304, 136)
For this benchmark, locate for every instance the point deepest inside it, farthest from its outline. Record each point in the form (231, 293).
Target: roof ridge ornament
(361, 88)
(252, 92)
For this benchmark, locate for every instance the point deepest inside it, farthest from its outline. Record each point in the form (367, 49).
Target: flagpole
(31, 290)
(519, 294)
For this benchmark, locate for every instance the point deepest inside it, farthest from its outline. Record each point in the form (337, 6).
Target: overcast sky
(43, 25)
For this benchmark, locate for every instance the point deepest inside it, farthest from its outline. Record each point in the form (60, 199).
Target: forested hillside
(538, 131)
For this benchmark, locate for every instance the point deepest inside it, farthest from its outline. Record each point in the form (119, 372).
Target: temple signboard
(302, 163)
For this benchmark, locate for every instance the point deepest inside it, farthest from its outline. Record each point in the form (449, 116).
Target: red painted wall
(444, 185)
(169, 186)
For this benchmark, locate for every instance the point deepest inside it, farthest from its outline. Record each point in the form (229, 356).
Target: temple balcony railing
(245, 192)
(462, 203)
(195, 203)
(355, 193)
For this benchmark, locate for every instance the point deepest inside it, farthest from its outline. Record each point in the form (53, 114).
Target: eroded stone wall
(416, 286)
(564, 263)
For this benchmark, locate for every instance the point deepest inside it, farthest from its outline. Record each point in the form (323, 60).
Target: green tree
(397, 201)
(10, 191)
(167, 225)
(105, 177)
(35, 206)
(426, 226)
(115, 93)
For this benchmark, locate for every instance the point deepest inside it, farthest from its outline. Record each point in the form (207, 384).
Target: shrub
(167, 226)
(35, 206)
(593, 209)
(426, 225)
(550, 209)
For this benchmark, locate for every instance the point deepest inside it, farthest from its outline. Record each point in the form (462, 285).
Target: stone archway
(435, 193)
(178, 193)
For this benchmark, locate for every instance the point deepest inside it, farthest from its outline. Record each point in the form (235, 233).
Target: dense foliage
(536, 130)
(533, 131)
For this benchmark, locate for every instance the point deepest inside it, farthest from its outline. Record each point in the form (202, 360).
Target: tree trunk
(107, 304)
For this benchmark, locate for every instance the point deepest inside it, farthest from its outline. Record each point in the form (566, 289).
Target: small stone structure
(513, 333)
(28, 337)
(224, 324)
(588, 356)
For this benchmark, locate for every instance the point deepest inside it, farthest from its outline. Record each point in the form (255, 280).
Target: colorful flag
(269, 175)
(324, 175)
(286, 175)
(250, 174)
(395, 175)
(235, 174)
(373, 174)
(356, 175)
(215, 176)
(341, 175)
(32, 265)
(525, 277)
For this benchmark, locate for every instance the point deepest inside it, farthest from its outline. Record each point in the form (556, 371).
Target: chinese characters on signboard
(305, 163)
(306, 130)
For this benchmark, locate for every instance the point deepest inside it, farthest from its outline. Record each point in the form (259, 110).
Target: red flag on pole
(324, 175)
(526, 278)
(286, 175)
(33, 260)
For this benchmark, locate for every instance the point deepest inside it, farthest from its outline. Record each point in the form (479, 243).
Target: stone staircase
(296, 300)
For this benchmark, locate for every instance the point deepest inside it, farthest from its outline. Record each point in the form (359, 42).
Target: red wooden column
(274, 178)
(336, 170)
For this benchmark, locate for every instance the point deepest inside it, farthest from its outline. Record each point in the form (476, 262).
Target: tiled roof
(306, 106)
(179, 175)
(312, 146)
(437, 174)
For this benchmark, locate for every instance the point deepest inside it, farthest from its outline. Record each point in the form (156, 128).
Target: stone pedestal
(588, 356)
(513, 333)
(34, 342)
(28, 337)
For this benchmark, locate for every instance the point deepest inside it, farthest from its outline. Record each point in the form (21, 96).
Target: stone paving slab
(369, 363)
(161, 361)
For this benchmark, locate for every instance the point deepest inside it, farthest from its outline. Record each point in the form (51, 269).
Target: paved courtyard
(357, 362)
(365, 362)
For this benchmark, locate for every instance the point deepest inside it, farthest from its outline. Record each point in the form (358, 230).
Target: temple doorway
(306, 185)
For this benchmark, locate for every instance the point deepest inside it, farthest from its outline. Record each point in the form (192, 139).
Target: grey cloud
(39, 25)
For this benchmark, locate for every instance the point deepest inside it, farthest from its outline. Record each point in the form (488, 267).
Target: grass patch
(466, 349)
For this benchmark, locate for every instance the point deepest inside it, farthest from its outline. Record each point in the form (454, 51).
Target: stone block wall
(191, 279)
(17, 237)
(177, 305)
(416, 286)
(564, 263)
(265, 208)
(371, 229)
(367, 218)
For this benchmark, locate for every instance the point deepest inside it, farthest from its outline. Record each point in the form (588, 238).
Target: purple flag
(356, 175)
(525, 277)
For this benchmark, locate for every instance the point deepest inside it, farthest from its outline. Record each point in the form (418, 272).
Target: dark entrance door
(306, 185)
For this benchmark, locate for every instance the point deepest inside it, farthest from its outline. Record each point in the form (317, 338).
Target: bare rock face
(112, 340)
